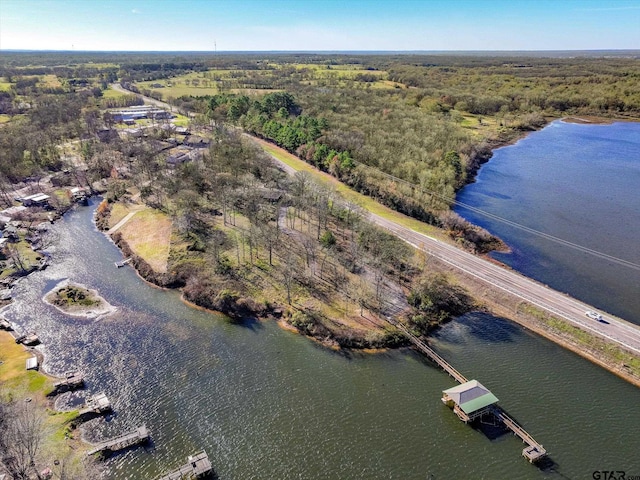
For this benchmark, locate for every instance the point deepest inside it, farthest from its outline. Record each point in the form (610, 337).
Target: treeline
(586, 86)
(121, 101)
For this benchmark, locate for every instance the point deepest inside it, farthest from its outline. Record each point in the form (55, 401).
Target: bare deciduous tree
(22, 439)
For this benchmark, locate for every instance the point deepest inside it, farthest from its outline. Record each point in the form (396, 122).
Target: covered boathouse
(469, 400)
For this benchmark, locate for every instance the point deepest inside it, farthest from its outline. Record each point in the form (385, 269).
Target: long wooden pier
(198, 466)
(534, 450)
(136, 437)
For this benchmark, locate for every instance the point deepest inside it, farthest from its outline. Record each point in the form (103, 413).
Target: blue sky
(243, 25)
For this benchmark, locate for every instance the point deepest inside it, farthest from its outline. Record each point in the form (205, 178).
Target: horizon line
(29, 50)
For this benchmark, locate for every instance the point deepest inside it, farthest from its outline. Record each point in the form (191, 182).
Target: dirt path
(118, 225)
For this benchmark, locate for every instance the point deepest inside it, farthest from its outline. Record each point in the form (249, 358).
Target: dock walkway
(199, 466)
(431, 353)
(136, 437)
(534, 450)
(70, 381)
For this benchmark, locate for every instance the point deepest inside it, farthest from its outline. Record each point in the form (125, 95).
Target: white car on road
(594, 315)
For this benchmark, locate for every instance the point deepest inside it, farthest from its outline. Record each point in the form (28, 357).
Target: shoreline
(595, 120)
(493, 308)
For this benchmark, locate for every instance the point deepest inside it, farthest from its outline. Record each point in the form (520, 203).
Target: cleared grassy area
(148, 233)
(347, 70)
(181, 85)
(50, 81)
(111, 93)
(480, 125)
(4, 118)
(13, 374)
(350, 195)
(5, 86)
(180, 90)
(180, 121)
(387, 84)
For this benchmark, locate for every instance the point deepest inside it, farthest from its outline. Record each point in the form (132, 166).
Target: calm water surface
(580, 183)
(268, 404)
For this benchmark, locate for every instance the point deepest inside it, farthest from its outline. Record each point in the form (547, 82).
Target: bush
(310, 323)
(436, 300)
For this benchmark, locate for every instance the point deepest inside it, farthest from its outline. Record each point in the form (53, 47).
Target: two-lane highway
(554, 302)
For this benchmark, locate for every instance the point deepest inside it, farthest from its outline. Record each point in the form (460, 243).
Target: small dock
(198, 466)
(96, 404)
(29, 339)
(123, 263)
(71, 381)
(533, 452)
(136, 437)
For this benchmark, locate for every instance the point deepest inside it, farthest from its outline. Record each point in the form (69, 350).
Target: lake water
(268, 404)
(580, 183)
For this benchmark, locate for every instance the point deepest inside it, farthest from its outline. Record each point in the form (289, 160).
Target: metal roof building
(469, 400)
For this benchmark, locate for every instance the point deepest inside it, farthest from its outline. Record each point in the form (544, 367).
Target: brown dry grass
(118, 212)
(148, 234)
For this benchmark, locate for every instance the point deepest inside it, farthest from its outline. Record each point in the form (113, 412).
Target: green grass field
(110, 93)
(208, 82)
(181, 121)
(181, 85)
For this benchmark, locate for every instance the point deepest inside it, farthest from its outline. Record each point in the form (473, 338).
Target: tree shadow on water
(250, 323)
(480, 325)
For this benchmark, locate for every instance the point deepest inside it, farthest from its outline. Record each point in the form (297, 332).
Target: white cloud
(135, 11)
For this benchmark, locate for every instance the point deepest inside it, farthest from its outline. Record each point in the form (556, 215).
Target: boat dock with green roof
(471, 400)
